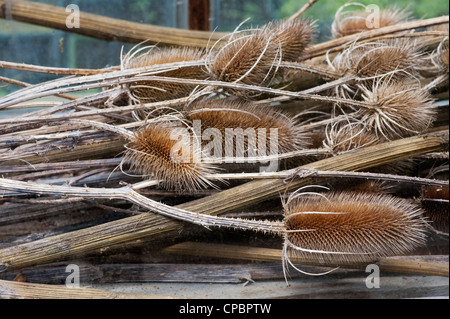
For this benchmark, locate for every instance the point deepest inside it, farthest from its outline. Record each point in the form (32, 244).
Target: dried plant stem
(135, 227)
(24, 290)
(106, 28)
(34, 104)
(302, 10)
(436, 82)
(39, 90)
(71, 115)
(74, 104)
(23, 84)
(378, 176)
(301, 67)
(127, 193)
(302, 173)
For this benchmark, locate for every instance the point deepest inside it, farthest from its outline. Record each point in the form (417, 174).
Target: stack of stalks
(361, 157)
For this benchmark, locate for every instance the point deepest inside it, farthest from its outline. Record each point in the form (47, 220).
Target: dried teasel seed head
(396, 109)
(444, 27)
(153, 91)
(169, 153)
(249, 58)
(364, 18)
(341, 228)
(397, 58)
(256, 123)
(294, 36)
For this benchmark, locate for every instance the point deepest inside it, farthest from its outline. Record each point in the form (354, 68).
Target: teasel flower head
(154, 91)
(396, 109)
(294, 36)
(169, 153)
(364, 18)
(340, 228)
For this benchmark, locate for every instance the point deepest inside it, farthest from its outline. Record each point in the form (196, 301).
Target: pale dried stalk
(52, 70)
(93, 112)
(15, 97)
(24, 84)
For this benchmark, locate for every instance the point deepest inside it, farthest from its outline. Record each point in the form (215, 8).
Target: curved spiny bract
(347, 228)
(256, 123)
(294, 36)
(153, 91)
(359, 20)
(170, 155)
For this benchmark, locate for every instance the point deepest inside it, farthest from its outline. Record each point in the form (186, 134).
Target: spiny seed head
(256, 122)
(343, 137)
(441, 56)
(294, 36)
(398, 58)
(153, 91)
(355, 21)
(341, 228)
(396, 109)
(251, 58)
(444, 27)
(167, 153)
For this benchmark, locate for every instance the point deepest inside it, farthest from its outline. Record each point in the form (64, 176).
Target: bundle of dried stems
(373, 104)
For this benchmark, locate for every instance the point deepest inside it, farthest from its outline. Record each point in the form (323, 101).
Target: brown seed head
(294, 36)
(152, 91)
(342, 228)
(167, 153)
(355, 21)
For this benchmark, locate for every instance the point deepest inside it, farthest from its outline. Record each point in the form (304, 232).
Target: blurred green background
(26, 43)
